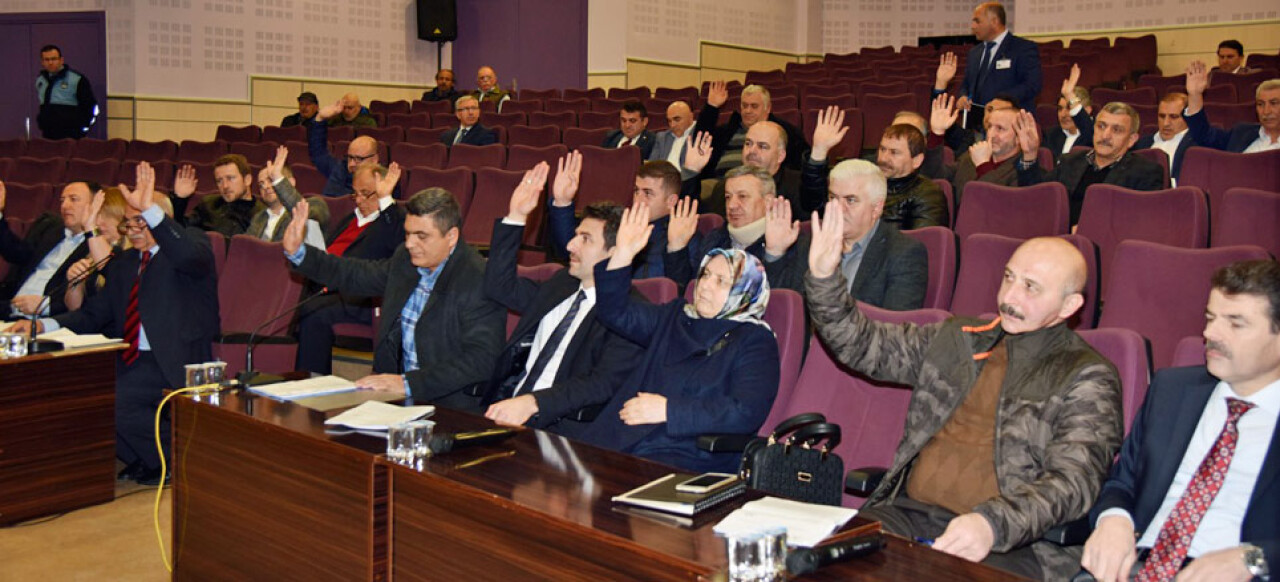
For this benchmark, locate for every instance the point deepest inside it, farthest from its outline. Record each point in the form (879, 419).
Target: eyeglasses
(361, 159)
(135, 223)
(358, 195)
(469, 108)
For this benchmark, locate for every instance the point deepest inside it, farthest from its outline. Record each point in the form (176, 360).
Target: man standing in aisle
(67, 105)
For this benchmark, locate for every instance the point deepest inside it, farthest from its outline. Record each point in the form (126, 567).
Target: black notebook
(661, 495)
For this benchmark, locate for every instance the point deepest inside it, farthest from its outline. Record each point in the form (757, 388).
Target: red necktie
(1175, 537)
(132, 321)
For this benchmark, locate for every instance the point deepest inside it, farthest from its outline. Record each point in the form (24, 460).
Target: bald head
(1043, 285)
(486, 78)
(361, 149)
(679, 117)
(350, 106)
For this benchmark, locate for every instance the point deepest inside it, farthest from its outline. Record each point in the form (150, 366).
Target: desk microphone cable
(164, 468)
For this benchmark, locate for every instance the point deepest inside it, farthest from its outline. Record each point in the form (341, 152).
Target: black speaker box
(437, 20)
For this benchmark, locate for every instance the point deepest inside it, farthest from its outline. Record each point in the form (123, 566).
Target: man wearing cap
(308, 105)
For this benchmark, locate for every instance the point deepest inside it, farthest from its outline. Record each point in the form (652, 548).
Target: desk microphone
(248, 377)
(443, 443)
(40, 346)
(807, 560)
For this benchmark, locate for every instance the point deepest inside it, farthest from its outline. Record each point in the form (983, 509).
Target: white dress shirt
(45, 269)
(1220, 527)
(1264, 143)
(677, 148)
(383, 203)
(545, 329)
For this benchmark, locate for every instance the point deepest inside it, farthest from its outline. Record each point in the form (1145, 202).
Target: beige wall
(1181, 45)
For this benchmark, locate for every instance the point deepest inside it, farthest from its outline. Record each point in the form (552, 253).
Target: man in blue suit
(633, 123)
(1197, 484)
(1243, 138)
(1002, 63)
(469, 130)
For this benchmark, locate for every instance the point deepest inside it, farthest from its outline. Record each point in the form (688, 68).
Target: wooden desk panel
(261, 493)
(57, 432)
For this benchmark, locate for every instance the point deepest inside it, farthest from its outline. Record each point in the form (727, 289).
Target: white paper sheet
(374, 415)
(807, 523)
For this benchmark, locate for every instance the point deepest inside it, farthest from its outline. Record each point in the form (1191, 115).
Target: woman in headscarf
(710, 366)
(106, 218)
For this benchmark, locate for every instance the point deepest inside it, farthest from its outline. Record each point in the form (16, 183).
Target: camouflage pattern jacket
(1058, 425)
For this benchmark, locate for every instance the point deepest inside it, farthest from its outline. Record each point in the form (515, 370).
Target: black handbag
(796, 461)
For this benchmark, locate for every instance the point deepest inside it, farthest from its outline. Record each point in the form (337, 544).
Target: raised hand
(944, 114)
(387, 183)
(1069, 84)
(682, 224)
(980, 153)
(780, 232)
(828, 132)
(78, 269)
(1197, 82)
(329, 111)
(275, 168)
(524, 199)
(565, 187)
(698, 152)
(184, 185)
(1028, 136)
(632, 237)
(827, 245)
(297, 229)
(717, 93)
(89, 220)
(145, 182)
(946, 71)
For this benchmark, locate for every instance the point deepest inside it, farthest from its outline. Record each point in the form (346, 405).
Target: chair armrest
(863, 480)
(724, 443)
(1072, 533)
(586, 413)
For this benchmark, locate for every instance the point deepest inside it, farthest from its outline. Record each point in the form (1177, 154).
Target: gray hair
(875, 185)
(768, 188)
(1268, 85)
(458, 102)
(757, 90)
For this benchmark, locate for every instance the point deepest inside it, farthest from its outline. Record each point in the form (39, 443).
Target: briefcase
(796, 461)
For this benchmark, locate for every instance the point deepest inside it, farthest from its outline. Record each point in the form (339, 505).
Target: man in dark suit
(1001, 63)
(1198, 477)
(38, 263)
(170, 272)
(1109, 162)
(560, 359)
(884, 267)
(754, 106)
(1172, 135)
(372, 231)
(633, 122)
(469, 130)
(1243, 138)
(445, 336)
(1075, 118)
(670, 144)
(764, 146)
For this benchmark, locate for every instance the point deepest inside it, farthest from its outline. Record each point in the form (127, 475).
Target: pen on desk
(925, 541)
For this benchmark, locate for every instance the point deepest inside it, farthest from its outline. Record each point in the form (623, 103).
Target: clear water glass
(400, 445)
(743, 551)
(773, 554)
(422, 430)
(195, 374)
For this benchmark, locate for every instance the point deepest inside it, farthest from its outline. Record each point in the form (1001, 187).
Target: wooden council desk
(57, 432)
(262, 493)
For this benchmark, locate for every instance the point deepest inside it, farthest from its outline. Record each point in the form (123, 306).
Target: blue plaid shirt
(409, 317)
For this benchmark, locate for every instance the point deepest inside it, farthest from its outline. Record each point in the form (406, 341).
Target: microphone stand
(44, 346)
(250, 377)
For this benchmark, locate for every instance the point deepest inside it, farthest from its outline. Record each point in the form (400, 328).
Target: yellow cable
(155, 514)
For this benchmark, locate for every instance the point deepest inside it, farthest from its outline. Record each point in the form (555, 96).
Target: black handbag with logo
(796, 461)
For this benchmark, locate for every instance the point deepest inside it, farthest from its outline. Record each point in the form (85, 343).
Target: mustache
(1010, 311)
(1217, 347)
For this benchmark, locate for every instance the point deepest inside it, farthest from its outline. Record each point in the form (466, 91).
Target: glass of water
(215, 372)
(400, 443)
(773, 554)
(195, 374)
(743, 551)
(15, 345)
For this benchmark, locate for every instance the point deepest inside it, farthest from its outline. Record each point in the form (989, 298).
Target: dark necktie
(985, 63)
(132, 321)
(549, 348)
(462, 132)
(1175, 537)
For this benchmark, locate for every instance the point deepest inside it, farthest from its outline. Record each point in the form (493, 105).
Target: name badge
(1004, 63)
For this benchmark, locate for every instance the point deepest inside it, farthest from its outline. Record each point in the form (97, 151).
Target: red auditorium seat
(458, 181)
(230, 134)
(47, 149)
(284, 134)
(474, 157)
(540, 136)
(410, 155)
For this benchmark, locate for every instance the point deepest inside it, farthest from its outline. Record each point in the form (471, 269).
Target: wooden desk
(57, 432)
(262, 493)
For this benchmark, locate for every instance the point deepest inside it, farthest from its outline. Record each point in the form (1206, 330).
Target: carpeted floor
(112, 541)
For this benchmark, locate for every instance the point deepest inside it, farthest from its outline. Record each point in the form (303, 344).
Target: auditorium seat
(982, 261)
(561, 119)
(505, 119)
(657, 290)
(102, 171)
(417, 107)
(490, 202)
(784, 102)
(340, 133)
(539, 94)
(310, 180)
(1176, 217)
(949, 193)
(687, 94)
(409, 120)
(412, 155)
(1160, 158)
(13, 148)
(521, 158)
(98, 149)
(387, 135)
(540, 136)
(1189, 352)
(940, 243)
(487, 156)
(785, 315)
(28, 201)
(1222, 93)
(254, 287)
(871, 413)
(1228, 115)
(458, 181)
(587, 94)
(1138, 96)
(447, 120)
(1160, 291)
(339, 208)
(5, 164)
(1039, 210)
(878, 111)
(284, 134)
(48, 149)
(576, 138)
(231, 134)
(597, 120)
(164, 170)
(850, 145)
(572, 105)
(709, 222)
(487, 107)
(603, 106)
(218, 244)
(1051, 88)
(608, 174)
(258, 153)
(1246, 85)
(1215, 172)
(388, 107)
(200, 152)
(28, 170)
(1131, 355)
(424, 136)
(1141, 51)
(525, 107)
(621, 94)
(765, 77)
(1248, 217)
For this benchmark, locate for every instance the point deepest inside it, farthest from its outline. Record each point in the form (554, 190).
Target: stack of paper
(806, 523)
(304, 388)
(377, 416)
(70, 339)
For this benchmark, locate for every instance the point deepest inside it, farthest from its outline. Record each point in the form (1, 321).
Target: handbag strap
(796, 422)
(815, 433)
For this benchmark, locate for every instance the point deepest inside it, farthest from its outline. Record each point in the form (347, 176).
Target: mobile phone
(705, 482)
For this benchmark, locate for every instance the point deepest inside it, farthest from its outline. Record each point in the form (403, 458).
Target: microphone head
(802, 561)
(440, 443)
